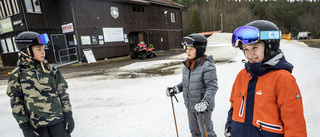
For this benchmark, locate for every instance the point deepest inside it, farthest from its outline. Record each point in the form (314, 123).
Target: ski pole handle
(175, 97)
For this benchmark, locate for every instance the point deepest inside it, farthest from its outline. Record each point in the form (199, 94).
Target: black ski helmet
(196, 40)
(25, 40)
(271, 45)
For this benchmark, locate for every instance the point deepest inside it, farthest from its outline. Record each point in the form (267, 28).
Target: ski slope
(106, 106)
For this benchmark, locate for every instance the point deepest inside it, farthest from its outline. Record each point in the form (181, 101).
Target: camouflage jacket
(38, 97)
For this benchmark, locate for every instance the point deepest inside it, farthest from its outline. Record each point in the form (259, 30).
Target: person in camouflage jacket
(39, 100)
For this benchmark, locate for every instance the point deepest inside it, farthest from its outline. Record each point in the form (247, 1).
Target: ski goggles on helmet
(43, 39)
(187, 41)
(251, 35)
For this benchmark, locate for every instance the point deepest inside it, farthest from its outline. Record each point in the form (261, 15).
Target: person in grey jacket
(199, 86)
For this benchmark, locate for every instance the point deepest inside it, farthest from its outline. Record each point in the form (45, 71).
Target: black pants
(57, 130)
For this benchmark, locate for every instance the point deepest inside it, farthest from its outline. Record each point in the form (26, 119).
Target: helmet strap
(26, 55)
(28, 51)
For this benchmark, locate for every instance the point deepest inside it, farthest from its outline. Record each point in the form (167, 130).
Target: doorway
(62, 54)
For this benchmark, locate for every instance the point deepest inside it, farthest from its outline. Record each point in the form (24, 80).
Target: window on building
(173, 17)
(33, 6)
(137, 9)
(8, 8)
(14, 44)
(2, 13)
(8, 45)
(15, 6)
(4, 47)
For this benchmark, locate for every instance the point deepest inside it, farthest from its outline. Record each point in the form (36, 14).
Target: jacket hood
(210, 58)
(278, 62)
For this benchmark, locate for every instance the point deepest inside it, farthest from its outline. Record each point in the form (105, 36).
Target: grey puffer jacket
(199, 83)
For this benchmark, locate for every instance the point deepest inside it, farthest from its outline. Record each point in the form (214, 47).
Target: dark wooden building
(109, 28)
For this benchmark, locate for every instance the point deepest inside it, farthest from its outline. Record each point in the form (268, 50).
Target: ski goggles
(251, 35)
(43, 39)
(187, 41)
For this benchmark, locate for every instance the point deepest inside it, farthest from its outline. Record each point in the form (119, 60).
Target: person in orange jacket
(265, 98)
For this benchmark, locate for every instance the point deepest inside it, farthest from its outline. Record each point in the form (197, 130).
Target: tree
(196, 22)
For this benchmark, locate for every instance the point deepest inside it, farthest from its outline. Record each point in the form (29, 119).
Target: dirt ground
(312, 42)
(85, 69)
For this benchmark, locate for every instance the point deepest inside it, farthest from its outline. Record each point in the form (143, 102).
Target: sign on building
(5, 25)
(67, 28)
(113, 34)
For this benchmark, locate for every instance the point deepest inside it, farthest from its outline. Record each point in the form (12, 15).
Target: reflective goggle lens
(43, 39)
(245, 34)
(187, 41)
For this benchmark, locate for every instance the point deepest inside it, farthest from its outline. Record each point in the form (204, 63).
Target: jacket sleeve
(179, 87)
(211, 82)
(14, 91)
(291, 108)
(62, 86)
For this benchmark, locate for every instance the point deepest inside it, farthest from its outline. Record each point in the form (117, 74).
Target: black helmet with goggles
(25, 40)
(259, 30)
(196, 40)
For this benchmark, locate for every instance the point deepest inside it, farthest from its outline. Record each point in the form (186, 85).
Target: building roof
(141, 1)
(158, 2)
(166, 3)
(209, 33)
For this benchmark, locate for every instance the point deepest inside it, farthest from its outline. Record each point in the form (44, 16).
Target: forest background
(291, 16)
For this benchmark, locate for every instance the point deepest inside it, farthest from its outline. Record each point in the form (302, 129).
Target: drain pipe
(24, 15)
(75, 30)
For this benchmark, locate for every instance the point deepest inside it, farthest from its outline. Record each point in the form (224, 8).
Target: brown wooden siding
(91, 16)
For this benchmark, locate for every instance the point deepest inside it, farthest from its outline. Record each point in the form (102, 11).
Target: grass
(312, 42)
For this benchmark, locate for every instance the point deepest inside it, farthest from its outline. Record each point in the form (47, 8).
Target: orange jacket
(266, 101)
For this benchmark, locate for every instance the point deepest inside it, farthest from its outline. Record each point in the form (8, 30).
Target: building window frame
(137, 9)
(3, 46)
(8, 8)
(15, 6)
(8, 45)
(2, 14)
(32, 7)
(173, 17)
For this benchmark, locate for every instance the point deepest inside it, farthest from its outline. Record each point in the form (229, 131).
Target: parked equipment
(143, 51)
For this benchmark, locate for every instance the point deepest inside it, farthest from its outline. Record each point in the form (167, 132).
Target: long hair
(191, 62)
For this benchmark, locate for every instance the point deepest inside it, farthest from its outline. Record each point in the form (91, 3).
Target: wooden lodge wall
(89, 17)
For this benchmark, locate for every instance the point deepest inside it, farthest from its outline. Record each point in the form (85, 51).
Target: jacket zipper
(188, 86)
(270, 126)
(37, 76)
(241, 107)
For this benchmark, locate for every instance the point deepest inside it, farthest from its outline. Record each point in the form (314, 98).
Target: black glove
(68, 120)
(171, 91)
(28, 130)
(227, 132)
(202, 106)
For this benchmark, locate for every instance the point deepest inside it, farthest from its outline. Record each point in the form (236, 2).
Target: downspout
(75, 30)
(24, 15)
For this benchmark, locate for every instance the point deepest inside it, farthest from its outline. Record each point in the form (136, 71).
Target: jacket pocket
(242, 107)
(269, 126)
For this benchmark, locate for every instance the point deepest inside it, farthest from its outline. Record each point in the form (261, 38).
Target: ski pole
(203, 120)
(174, 115)
(204, 124)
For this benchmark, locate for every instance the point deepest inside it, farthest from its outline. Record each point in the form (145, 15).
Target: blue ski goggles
(43, 39)
(251, 35)
(187, 41)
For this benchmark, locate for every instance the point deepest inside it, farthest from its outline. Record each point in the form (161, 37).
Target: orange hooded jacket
(266, 101)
